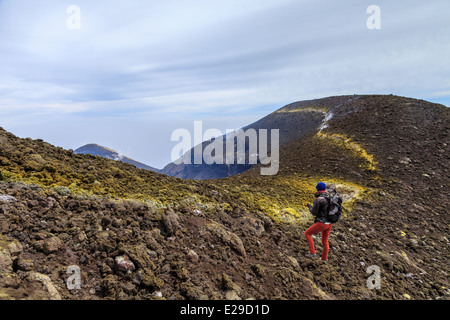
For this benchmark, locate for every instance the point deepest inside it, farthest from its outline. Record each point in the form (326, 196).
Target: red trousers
(316, 228)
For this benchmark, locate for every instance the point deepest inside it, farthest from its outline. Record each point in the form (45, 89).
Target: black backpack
(334, 208)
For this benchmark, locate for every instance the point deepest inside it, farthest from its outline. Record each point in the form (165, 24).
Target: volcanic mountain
(295, 122)
(139, 234)
(105, 152)
(292, 125)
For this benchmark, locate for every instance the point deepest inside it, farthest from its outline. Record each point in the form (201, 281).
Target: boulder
(124, 263)
(47, 285)
(7, 198)
(6, 261)
(171, 222)
(231, 295)
(192, 256)
(52, 245)
(24, 264)
(226, 237)
(9, 250)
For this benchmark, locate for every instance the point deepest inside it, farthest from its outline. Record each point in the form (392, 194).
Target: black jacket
(320, 207)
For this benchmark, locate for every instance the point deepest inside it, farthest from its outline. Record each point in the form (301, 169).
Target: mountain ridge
(298, 119)
(138, 234)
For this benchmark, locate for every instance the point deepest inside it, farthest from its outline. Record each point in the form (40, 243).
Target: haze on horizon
(135, 71)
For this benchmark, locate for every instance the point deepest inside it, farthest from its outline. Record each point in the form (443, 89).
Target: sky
(126, 74)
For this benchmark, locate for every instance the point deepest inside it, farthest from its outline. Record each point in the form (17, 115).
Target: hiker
(321, 224)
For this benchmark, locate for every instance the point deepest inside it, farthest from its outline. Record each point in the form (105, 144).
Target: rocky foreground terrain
(136, 234)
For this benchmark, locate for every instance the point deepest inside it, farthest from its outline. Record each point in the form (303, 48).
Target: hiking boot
(311, 255)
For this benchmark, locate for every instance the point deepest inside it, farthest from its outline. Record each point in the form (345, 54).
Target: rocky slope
(136, 234)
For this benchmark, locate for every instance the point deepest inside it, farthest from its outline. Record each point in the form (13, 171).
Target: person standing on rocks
(320, 210)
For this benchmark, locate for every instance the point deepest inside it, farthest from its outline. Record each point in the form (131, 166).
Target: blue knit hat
(321, 186)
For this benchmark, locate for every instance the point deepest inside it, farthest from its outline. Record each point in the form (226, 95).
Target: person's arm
(315, 207)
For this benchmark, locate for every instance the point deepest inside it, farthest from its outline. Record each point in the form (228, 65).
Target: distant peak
(105, 152)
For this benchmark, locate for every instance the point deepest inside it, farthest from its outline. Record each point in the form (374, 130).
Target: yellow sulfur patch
(285, 199)
(352, 146)
(308, 109)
